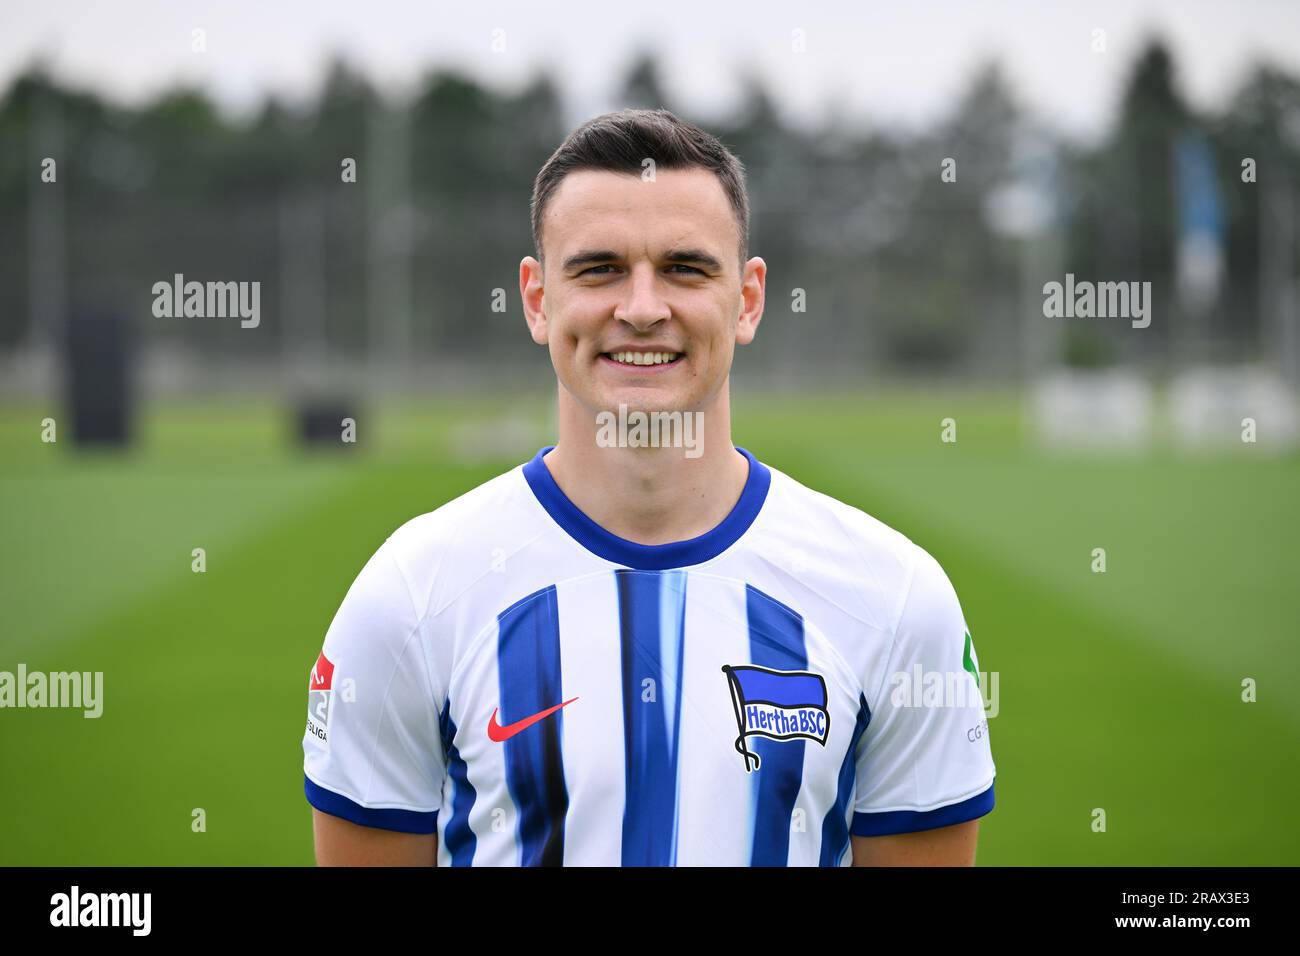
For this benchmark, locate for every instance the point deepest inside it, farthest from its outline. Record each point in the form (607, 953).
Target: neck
(649, 495)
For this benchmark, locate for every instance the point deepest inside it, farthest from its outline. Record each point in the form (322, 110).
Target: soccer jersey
(538, 691)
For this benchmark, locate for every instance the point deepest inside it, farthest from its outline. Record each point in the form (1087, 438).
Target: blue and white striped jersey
(538, 691)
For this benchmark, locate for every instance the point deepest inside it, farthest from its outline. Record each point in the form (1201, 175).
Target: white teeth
(643, 358)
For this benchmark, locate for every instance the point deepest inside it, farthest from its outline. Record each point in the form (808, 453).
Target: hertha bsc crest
(779, 705)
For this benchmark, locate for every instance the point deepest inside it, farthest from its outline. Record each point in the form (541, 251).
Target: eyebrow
(589, 257)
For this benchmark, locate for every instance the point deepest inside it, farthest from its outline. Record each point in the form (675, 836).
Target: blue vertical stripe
(528, 668)
(672, 627)
(646, 622)
(835, 828)
(776, 640)
(458, 838)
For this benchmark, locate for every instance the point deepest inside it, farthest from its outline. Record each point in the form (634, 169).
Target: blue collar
(650, 557)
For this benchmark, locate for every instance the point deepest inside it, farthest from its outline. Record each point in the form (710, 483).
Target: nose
(643, 308)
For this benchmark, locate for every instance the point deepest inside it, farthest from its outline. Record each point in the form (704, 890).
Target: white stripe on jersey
(719, 831)
(589, 654)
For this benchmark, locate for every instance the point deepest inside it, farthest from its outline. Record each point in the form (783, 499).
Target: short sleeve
(372, 749)
(924, 760)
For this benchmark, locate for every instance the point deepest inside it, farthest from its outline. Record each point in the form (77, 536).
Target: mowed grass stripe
(95, 537)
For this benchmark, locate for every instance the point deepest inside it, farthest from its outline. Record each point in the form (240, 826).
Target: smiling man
(625, 653)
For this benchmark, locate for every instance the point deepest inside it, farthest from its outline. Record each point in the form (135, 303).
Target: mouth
(642, 360)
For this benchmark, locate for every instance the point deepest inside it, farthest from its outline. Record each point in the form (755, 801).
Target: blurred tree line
(901, 269)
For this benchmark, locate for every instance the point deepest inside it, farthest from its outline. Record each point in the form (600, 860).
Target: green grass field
(1119, 691)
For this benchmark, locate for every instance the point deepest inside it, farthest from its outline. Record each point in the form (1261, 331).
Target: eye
(679, 265)
(594, 268)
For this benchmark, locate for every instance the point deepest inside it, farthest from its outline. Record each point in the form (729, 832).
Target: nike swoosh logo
(498, 733)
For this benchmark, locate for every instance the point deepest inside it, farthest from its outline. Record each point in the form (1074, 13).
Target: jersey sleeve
(924, 760)
(373, 753)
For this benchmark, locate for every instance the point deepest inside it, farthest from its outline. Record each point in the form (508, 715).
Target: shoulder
(868, 563)
(437, 554)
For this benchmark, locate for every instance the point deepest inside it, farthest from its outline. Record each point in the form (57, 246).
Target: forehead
(598, 208)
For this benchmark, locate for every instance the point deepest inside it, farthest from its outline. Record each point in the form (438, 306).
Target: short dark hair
(619, 142)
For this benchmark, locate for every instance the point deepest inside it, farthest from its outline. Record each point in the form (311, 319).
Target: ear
(532, 294)
(753, 285)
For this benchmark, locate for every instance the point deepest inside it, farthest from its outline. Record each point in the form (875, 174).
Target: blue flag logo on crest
(779, 705)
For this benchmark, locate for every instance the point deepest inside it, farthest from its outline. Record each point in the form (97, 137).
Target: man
(644, 646)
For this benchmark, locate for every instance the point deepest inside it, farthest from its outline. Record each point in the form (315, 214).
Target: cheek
(719, 345)
(562, 337)
(568, 353)
(576, 329)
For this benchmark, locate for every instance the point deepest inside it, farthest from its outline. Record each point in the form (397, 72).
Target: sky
(895, 64)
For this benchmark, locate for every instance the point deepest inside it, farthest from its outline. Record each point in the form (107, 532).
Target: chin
(643, 400)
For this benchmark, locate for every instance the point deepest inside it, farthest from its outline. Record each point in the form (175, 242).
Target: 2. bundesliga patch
(319, 692)
(779, 705)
